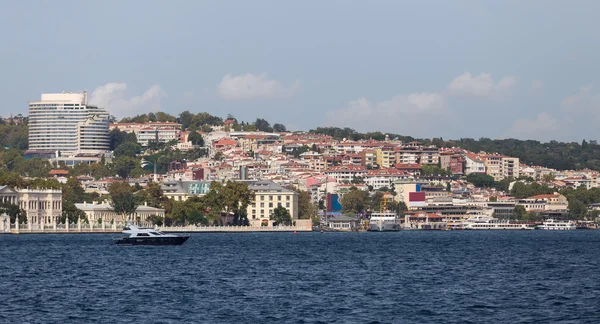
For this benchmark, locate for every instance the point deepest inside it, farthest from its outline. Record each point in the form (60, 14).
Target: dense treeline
(553, 154)
(556, 155)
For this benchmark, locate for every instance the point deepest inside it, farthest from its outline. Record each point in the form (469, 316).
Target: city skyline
(460, 69)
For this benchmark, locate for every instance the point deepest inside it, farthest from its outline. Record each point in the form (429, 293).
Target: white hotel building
(63, 122)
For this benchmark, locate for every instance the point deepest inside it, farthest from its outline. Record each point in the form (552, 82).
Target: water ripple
(407, 277)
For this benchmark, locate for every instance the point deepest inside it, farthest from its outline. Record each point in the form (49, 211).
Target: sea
(389, 277)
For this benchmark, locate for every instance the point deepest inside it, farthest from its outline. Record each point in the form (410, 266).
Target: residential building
(65, 123)
(452, 161)
(510, 167)
(494, 166)
(345, 173)
(474, 164)
(162, 132)
(369, 157)
(385, 157)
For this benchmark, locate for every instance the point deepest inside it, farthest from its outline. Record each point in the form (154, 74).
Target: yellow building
(269, 196)
(386, 157)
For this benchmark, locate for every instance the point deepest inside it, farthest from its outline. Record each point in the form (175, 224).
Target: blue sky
(523, 69)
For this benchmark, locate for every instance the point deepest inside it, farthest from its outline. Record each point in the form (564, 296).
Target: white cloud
(537, 87)
(584, 101)
(543, 127)
(113, 96)
(407, 113)
(254, 86)
(482, 85)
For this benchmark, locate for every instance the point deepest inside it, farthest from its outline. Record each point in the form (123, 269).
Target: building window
(287, 205)
(262, 197)
(270, 204)
(262, 205)
(279, 198)
(271, 198)
(287, 197)
(278, 204)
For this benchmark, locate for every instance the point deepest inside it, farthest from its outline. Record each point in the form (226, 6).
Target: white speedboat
(557, 225)
(483, 222)
(149, 236)
(384, 222)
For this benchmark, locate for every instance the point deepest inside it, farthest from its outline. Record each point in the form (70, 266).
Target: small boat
(149, 236)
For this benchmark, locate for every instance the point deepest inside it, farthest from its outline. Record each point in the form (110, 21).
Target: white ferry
(483, 222)
(384, 222)
(557, 225)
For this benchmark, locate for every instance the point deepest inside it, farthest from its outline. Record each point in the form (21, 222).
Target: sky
(450, 69)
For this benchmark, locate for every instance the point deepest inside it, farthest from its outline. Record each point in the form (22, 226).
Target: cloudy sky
(523, 69)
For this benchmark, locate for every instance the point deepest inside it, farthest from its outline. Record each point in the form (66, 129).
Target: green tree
(375, 201)
(548, 177)
(281, 216)
(196, 139)
(129, 149)
(306, 209)
(279, 128)
(14, 211)
(185, 119)
(236, 197)
(118, 137)
(123, 199)
(355, 201)
(219, 156)
(357, 180)
(481, 180)
(263, 125)
(577, 209)
(42, 183)
(123, 165)
(519, 212)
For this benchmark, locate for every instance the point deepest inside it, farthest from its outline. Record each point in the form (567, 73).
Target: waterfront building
(556, 202)
(41, 206)
(268, 196)
(104, 211)
(65, 123)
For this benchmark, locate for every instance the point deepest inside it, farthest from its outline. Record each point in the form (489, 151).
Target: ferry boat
(557, 225)
(384, 222)
(149, 236)
(482, 222)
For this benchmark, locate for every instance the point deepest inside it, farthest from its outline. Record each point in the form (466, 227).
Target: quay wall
(83, 228)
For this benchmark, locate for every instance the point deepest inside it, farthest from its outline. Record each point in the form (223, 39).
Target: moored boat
(384, 222)
(481, 222)
(149, 236)
(557, 225)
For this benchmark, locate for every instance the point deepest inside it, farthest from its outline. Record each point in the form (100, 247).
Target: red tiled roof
(543, 196)
(403, 166)
(58, 172)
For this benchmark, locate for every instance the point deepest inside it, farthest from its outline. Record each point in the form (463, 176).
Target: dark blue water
(404, 277)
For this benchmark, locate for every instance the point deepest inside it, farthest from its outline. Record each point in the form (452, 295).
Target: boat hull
(171, 240)
(384, 227)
